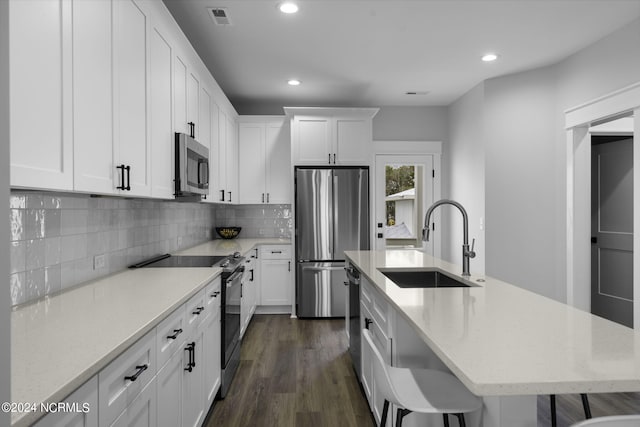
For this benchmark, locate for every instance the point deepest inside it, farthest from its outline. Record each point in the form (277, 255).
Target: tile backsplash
(257, 220)
(54, 237)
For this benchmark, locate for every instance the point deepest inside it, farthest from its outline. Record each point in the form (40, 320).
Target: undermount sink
(422, 279)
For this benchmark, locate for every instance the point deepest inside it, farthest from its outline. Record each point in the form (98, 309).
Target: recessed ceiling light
(489, 57)
(294, 82)
(288, 7)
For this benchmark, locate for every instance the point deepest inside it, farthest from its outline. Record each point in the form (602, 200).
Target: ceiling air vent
(220, 16)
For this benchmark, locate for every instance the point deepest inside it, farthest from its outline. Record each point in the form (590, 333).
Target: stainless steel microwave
(192, 167)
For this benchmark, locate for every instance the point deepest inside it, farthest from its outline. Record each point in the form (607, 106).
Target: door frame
(401, 149)
(578, 120)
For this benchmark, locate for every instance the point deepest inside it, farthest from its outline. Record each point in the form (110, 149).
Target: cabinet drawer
(195, 311)
(212, 296)
(275, 252)
(366, 294)
(86, 397)
(123, 379)
(380, 310)
(170, 334)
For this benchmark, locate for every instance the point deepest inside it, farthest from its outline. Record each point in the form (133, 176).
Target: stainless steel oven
(191, 167)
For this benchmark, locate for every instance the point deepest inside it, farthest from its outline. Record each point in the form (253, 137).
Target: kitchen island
(505, 343)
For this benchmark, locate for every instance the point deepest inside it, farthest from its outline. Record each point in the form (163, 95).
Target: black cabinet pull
(329, 157)
(198, 311)
(176, 332)
(229, 196)
(267, 197)
(256, 249)
(128, 187)
(262, 197)
(192, 129)
(334, 158)
(367, 322)
(140, 370)
(191, 347)
(251, 271)
(222, 198)
(289, 267)
(215, 294)
(276, 252)
(121, 186)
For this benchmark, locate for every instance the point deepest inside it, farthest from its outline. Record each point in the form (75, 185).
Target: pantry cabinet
(331, 136)
(40, 94)
(265, 161)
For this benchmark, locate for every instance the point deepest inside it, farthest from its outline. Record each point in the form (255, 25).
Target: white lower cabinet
(86, 401)
(169, 389)
(375, 315)
(193, 410)
(276, 284)
(142, 411)
(123, 379)
(249, 295)
(212, 347)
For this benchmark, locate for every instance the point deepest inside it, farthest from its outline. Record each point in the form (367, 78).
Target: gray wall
(464, 175)
(525, 159)
(410, 124)
(5, 302)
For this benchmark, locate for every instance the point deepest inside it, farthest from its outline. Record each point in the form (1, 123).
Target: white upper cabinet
(111, 145)
(131, 147)
(92, 97)
(161, 115)
(264, 161)
(40, 94)
(331, 136)
(98, 90)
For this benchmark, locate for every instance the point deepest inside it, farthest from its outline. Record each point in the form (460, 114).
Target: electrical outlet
(99, 261)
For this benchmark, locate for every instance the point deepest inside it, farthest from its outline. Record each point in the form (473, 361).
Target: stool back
(615, 421)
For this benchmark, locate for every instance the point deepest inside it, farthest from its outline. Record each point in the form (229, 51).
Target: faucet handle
(472, 254)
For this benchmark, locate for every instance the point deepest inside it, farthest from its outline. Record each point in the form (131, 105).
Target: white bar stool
(420, 390)
(615, 421)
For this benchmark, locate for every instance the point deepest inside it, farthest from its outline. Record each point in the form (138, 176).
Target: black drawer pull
(140, 370)
(276, 252)
(215, 294)
(198, 311)
(176, 332)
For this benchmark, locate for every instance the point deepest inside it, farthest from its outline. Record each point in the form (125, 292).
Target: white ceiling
(357, 53)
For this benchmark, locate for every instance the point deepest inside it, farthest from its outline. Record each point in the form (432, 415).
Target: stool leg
(385, 411)
(401, 414)
(446, 420)
(585, 406)
(552, 399)
(461, 420)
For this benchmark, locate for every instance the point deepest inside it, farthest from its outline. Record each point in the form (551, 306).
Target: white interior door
(404, 188)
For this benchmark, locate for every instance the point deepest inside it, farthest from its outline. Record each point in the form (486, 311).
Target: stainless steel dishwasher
(353, 275)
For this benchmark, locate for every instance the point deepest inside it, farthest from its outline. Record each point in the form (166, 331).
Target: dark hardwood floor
(293, 372)
(297, 372)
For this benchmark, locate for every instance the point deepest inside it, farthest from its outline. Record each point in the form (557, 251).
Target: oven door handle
(235, 276)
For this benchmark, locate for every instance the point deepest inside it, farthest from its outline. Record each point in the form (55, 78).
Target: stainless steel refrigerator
(332, 216)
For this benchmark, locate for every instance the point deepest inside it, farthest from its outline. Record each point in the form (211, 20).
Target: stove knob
(236, 254)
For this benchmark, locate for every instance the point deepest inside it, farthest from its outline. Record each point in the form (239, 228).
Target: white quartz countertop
(501, 340)
(227, 247)
(60, 342)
